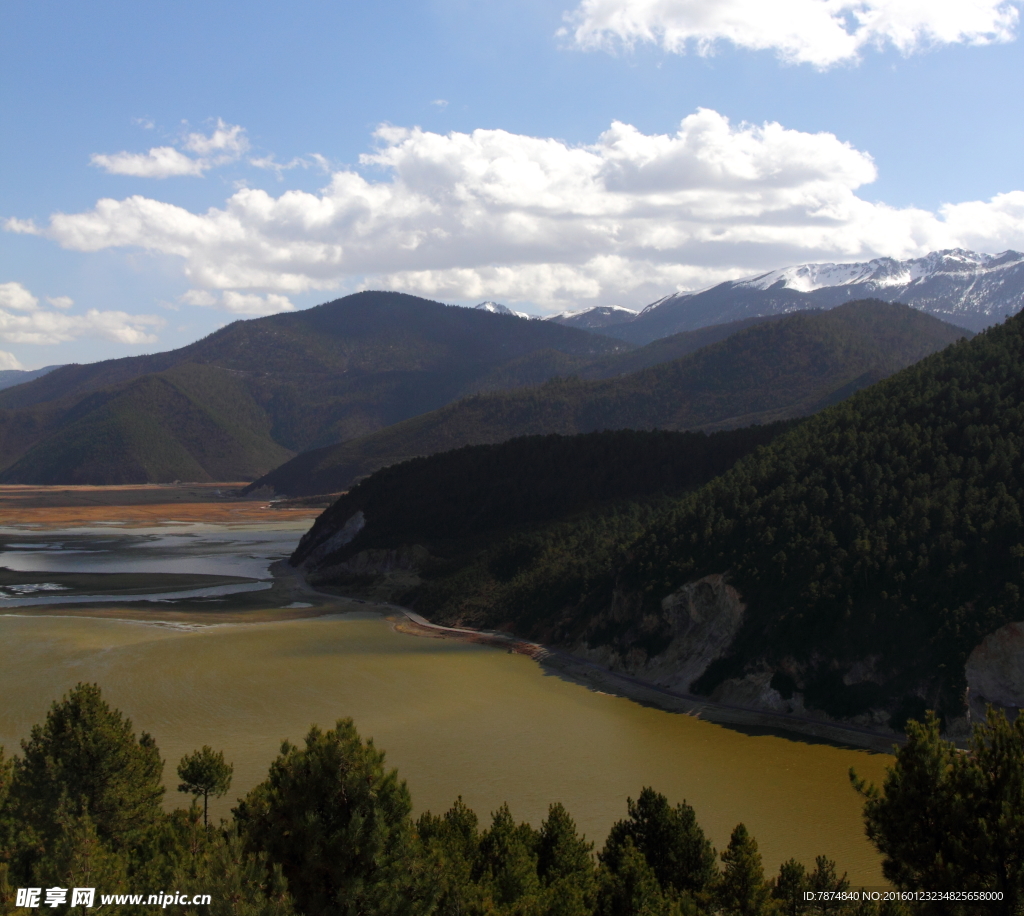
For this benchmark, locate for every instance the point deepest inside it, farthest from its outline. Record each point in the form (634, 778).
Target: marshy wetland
(242, 667)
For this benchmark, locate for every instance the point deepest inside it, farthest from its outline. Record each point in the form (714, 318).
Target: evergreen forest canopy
(770, 370)
(874, 546)
(251, 395)
(329, 832)
(454, 502)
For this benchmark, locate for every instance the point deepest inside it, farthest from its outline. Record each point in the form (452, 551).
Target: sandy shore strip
(597, 677)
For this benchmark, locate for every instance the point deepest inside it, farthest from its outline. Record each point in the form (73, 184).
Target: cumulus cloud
(225, 144)
(15, 296)
(491, 214)
(22, 321)
(9, 361)
(60, 302)
(818, 32)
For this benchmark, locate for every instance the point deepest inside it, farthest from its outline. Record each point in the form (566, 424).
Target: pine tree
(670, 839)
(507, 863)
(450, 845)
(825, 882)
(630, 888)
(205, 773)
(947, 820)
(565, 865)
(338, 825)
(742, 890)
(85, 760)
(790, 886)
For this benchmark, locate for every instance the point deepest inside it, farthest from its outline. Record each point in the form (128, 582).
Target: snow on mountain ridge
(601, 309)
(883, 272)
(496, 308)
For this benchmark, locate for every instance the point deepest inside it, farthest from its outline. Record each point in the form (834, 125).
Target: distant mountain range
(11, 377)
(766, 370)
(248, 397)
(598, 316)
(252, 395)
(965, 288)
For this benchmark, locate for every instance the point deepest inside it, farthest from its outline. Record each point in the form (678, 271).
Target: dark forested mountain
(769, 371)
(11, 377)
(245, 398)
(455, 501)
(847, 568)
(964, 288)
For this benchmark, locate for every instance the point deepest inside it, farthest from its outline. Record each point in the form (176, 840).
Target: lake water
(454, 718)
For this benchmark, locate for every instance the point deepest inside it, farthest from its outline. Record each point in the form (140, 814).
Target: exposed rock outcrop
(995, 672)
(700, 621)
(336, 541)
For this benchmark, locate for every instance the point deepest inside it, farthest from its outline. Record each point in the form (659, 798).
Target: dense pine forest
(456, 501)
(330, 832)
(873, 546)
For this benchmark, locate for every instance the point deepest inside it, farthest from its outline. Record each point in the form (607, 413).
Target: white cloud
(819, 32)
(9, 361)
(440, 103)
(15, 296)
(251, 304)
(226, 140)
(313, 161)
(493, 214)
(60, 302)
(55, 327)
(198, 297)
(239, 303)
(21, 226)
(226, 144)
(22, 321)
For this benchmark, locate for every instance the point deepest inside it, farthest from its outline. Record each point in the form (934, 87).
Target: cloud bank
(822, 33)
(492, 214)
(23, 322)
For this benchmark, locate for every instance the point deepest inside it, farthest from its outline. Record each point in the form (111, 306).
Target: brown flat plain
(142, 506)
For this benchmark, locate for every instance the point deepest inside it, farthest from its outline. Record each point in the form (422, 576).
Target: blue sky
(549, 155)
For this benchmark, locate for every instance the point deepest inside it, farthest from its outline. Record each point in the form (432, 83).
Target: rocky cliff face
(696, 626)
(995, 672)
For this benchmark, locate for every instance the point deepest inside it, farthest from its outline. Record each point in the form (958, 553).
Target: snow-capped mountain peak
(597, 316)
(965, 288)
(882, 272)
(496, 308)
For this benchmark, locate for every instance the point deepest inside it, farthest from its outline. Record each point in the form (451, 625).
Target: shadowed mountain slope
(456, 501)
(766, 372)
(288, 382)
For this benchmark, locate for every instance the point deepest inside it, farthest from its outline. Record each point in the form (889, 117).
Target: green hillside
(196, 423)
(769, 371)
(251, 395)
(872, 547)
